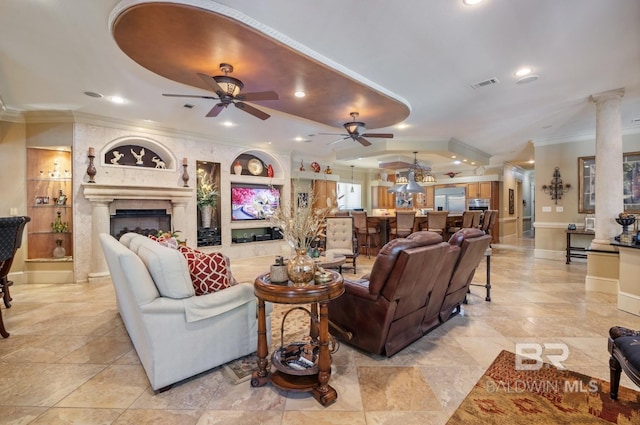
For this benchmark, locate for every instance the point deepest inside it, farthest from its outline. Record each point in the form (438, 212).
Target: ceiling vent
(485, 83)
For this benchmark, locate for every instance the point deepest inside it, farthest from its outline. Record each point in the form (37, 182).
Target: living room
(185, 138)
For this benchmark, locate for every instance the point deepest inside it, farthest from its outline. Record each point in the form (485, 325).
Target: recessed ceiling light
(464, 160)
(116, 99)
(471, 2)
(531, 161)
(402, 126)
(528, 79)
(523, 71)
(299, 93)
(228, 124)
(473, 163)
(456, 162)
(453, 157)
(93, 94)
(299, 139)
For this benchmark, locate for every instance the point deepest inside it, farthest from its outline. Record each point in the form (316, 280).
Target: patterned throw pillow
(209, 272)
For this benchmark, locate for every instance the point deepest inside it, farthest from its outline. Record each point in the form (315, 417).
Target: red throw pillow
(209, 272)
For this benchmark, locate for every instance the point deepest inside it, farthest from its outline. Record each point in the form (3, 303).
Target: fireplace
(106, 199)
(143, 221)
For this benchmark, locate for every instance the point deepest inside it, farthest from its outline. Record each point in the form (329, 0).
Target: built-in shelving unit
(259, 170)
(49, 191)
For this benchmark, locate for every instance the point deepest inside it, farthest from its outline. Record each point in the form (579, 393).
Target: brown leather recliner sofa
(416, 283)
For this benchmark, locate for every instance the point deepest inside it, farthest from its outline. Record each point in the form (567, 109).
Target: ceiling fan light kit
(228, 90)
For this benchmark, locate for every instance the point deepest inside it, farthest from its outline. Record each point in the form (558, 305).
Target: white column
(178, 214)
(99, 224)
(609, 179)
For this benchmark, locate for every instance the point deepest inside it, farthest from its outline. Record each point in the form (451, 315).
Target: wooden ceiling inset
(177, 41)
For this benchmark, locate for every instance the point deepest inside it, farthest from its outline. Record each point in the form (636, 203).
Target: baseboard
(62, 276)
(550, 254)
(601, 284)
(629, 303)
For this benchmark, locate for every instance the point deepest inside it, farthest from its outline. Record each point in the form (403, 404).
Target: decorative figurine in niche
(159, 163)
(328, 170)
(301, 165)
(117, 156)
(270, 171)
(138, 156)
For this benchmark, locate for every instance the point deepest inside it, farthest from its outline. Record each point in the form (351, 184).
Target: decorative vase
(301, 268)
(328, 170)
(237, 168)
(206, 211)
(58, 251)
(270, 171)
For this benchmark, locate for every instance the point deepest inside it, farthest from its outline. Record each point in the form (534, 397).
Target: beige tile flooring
(70, 361)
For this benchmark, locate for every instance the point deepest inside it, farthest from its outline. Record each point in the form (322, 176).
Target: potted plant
(207, 198)
(58, 226)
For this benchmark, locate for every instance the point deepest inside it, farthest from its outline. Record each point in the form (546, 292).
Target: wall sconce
(556, 189)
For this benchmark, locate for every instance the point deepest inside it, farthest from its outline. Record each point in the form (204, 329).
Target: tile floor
(70, 361)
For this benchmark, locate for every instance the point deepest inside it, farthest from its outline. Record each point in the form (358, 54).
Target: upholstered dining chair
(488, 221)
(10, 240)
(339, 239)
(405, 221)
(366, 232)
(467, 221)
(624, 347)
(436, 222)
(477, 218)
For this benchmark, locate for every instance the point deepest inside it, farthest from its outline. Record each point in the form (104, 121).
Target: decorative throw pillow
(209, 272)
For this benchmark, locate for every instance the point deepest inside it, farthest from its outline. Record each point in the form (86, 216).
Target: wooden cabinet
(49, 192)
(480, 190)
(324, 193)
(381, 198)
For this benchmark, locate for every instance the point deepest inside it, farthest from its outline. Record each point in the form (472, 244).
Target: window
(349, 196)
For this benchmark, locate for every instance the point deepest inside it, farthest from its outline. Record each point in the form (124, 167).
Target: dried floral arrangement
(302, 226)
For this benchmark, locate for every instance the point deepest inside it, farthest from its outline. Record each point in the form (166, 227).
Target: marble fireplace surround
(103, 197)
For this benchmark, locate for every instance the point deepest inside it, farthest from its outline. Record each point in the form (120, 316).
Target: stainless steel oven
(478, 204)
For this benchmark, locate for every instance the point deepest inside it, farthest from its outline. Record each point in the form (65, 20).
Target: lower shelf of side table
(302, 383)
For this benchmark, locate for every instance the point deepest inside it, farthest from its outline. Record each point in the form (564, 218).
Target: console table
(318, 295)
(576, 251)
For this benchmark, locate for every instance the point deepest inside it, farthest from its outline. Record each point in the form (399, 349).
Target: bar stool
(365, 231)
(404, 224)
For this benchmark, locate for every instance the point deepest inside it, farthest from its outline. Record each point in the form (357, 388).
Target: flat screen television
(253, 202)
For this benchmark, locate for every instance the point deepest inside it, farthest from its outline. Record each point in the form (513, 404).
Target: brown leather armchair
(472, 243)
(384, 310)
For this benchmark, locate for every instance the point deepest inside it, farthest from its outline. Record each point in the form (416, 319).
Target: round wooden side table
(318, 295)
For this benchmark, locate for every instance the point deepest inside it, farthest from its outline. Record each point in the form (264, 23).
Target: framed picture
(630, 183)
(62, 199)
(590, 224)
(512, 205)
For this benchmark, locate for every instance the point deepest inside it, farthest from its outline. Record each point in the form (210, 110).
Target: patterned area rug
(546, 396)
(295, 328)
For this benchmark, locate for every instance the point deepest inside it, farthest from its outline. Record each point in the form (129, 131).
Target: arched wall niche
(266, 158)
(157, 156)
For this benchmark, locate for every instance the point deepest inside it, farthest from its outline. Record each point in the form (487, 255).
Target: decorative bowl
(626, 221)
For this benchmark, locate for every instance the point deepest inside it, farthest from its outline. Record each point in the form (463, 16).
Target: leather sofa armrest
(359, 288)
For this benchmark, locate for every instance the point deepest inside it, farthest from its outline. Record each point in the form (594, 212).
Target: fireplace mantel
(102, 195)
(103, 192)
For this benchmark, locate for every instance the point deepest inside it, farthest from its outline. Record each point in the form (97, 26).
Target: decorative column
(178, 214)
(100, 223)
(602, 268)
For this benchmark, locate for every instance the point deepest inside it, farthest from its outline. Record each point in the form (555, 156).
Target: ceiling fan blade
(363, 141)
(338, 141)
(382, 135)
(251, 110)
(190, 95)
(262, 95)
(212, 84)
(215, 111)
(330, 134)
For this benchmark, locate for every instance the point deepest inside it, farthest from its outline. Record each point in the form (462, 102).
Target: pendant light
(352, 189)
(412, 186)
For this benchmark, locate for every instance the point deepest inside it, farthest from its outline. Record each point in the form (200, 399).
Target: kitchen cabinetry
(324, 193)
(480, 190)
(381, 198)
(49, 192)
